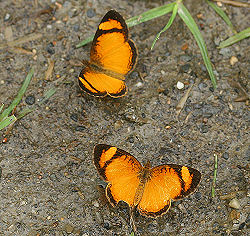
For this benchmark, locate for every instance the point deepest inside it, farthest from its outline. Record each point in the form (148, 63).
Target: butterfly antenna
(132, 221)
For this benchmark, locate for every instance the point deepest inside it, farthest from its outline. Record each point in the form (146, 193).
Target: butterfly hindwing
(120, 170)
(99, 84)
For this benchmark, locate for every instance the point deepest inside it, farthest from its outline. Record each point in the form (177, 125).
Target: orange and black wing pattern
(151, 190)
(112, 56)
(166, 183)
(120, 170)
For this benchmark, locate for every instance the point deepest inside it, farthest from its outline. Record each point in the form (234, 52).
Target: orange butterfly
(112, 56)
(150, 190)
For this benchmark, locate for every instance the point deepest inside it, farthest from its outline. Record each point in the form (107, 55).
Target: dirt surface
(48, 183)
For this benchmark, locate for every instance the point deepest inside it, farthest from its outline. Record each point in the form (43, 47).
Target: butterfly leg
(132, 221)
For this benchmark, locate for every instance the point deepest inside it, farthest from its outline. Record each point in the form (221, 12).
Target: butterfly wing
(99, 84)
(111, 49)
(120, 170)
(166, 183)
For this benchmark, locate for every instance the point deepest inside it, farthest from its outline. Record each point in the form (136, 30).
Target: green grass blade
(24, 112)
(151, 14)
(215, 175)
(146, 16)
(234, 39)
(171, 19)
(189, 21)
(7, 121)
(47, 95)
(222, 14)
(19, 96)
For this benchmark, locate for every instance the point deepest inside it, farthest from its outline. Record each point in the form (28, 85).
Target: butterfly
(112, 56)
(149, 190)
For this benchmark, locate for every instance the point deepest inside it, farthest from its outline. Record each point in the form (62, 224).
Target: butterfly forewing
(120, 170)
(111, 47)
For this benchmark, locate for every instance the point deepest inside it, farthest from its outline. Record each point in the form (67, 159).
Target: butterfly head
(147, 165)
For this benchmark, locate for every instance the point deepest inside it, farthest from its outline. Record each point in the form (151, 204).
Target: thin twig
(182, 101)
(215, 174)
(234, 3)
(21, 40)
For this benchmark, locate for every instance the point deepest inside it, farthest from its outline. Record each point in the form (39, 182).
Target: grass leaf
(189, 21)
(24, 112)
(234, 39)
(215, 175)
(222, 14)
(145, 16)
(19, 96)
(171, 19)
(47, 95)
(7, 121)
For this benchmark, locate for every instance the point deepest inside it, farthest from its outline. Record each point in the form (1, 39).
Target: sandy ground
(48, 183)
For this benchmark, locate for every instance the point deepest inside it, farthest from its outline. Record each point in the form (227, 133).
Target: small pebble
(80, 128)
(131, 139)
(106, 225)
(185, 68)
(225, 52)
(207, 114)
(50, 48)
(202, 85)
(49, 26)
(139, 84)
(69, 228)
(225, 155)
(185, 58)
(7, 17)
(165, 92)
(217, 41)
(30, 100)
(91, 13)
(76, 27)
(242, 225)
(74, 117)
(219, 4)
(203, 68)
(233, 60)
(180, 85)
(118, 124)
(96, 204)
(211, 89)
(204, 129)
(234, 203)
(197, 195)
(234, 215)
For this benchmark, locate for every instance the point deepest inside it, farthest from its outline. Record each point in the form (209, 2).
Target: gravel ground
(48, 183)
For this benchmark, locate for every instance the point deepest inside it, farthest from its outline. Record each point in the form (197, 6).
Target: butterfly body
(112, 56)
(144, 176)
(150, 190)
